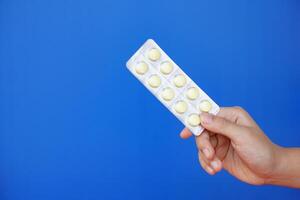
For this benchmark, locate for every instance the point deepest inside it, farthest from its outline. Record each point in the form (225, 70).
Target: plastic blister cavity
(165, 79)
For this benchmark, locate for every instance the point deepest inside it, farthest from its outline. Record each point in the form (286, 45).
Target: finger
(223, 144)
(204, 165)
(204, 158)
(203, 144)
(185, 133)
(221, 125)
(228, 113)
(215, 164)
(237, 115)
(214, 141)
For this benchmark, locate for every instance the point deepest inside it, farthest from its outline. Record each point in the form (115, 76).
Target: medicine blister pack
(171, 86)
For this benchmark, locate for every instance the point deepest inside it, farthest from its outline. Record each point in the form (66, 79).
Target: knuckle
(238, 109)
(241, 111)
(221, 123)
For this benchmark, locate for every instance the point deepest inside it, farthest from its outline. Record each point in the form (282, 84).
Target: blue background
(75, 124)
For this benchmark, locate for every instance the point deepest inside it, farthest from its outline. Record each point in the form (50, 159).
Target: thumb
(221, 126)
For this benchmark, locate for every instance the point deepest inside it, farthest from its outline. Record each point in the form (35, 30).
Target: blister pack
(171, 86)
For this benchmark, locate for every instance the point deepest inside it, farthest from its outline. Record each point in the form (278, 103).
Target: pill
(154, 54)
(205, 106)
(154, 81)
(179, 80)
(141, 68)
(194, 120)
(166, 67)
(171, 86)
(168, 94)
(180, 107)
(192, 93)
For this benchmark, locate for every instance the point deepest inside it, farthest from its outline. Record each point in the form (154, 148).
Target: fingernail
(215, 164)
(206, 153)
(206, 118)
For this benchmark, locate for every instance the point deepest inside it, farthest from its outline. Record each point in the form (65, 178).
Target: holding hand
(233, 141)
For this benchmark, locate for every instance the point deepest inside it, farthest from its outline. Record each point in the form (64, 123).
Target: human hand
(233, 141)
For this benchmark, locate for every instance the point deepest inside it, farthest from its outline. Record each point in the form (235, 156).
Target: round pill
(154, 54)
(192, 93)
(179, 80)
(194, 120)
(205, 106)
(168, 94)
(141, 68)
(166, 67)
(180, 107)
(154, 81)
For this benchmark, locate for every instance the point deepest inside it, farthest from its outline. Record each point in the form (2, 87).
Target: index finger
(185, 133)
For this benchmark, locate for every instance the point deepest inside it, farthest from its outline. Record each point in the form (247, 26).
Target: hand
(233, 141)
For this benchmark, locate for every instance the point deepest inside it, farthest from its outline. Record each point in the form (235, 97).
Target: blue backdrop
(75, 124)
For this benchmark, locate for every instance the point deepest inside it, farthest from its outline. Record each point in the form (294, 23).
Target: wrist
(287, 167)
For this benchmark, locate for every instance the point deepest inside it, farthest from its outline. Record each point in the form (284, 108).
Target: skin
(234, 142)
